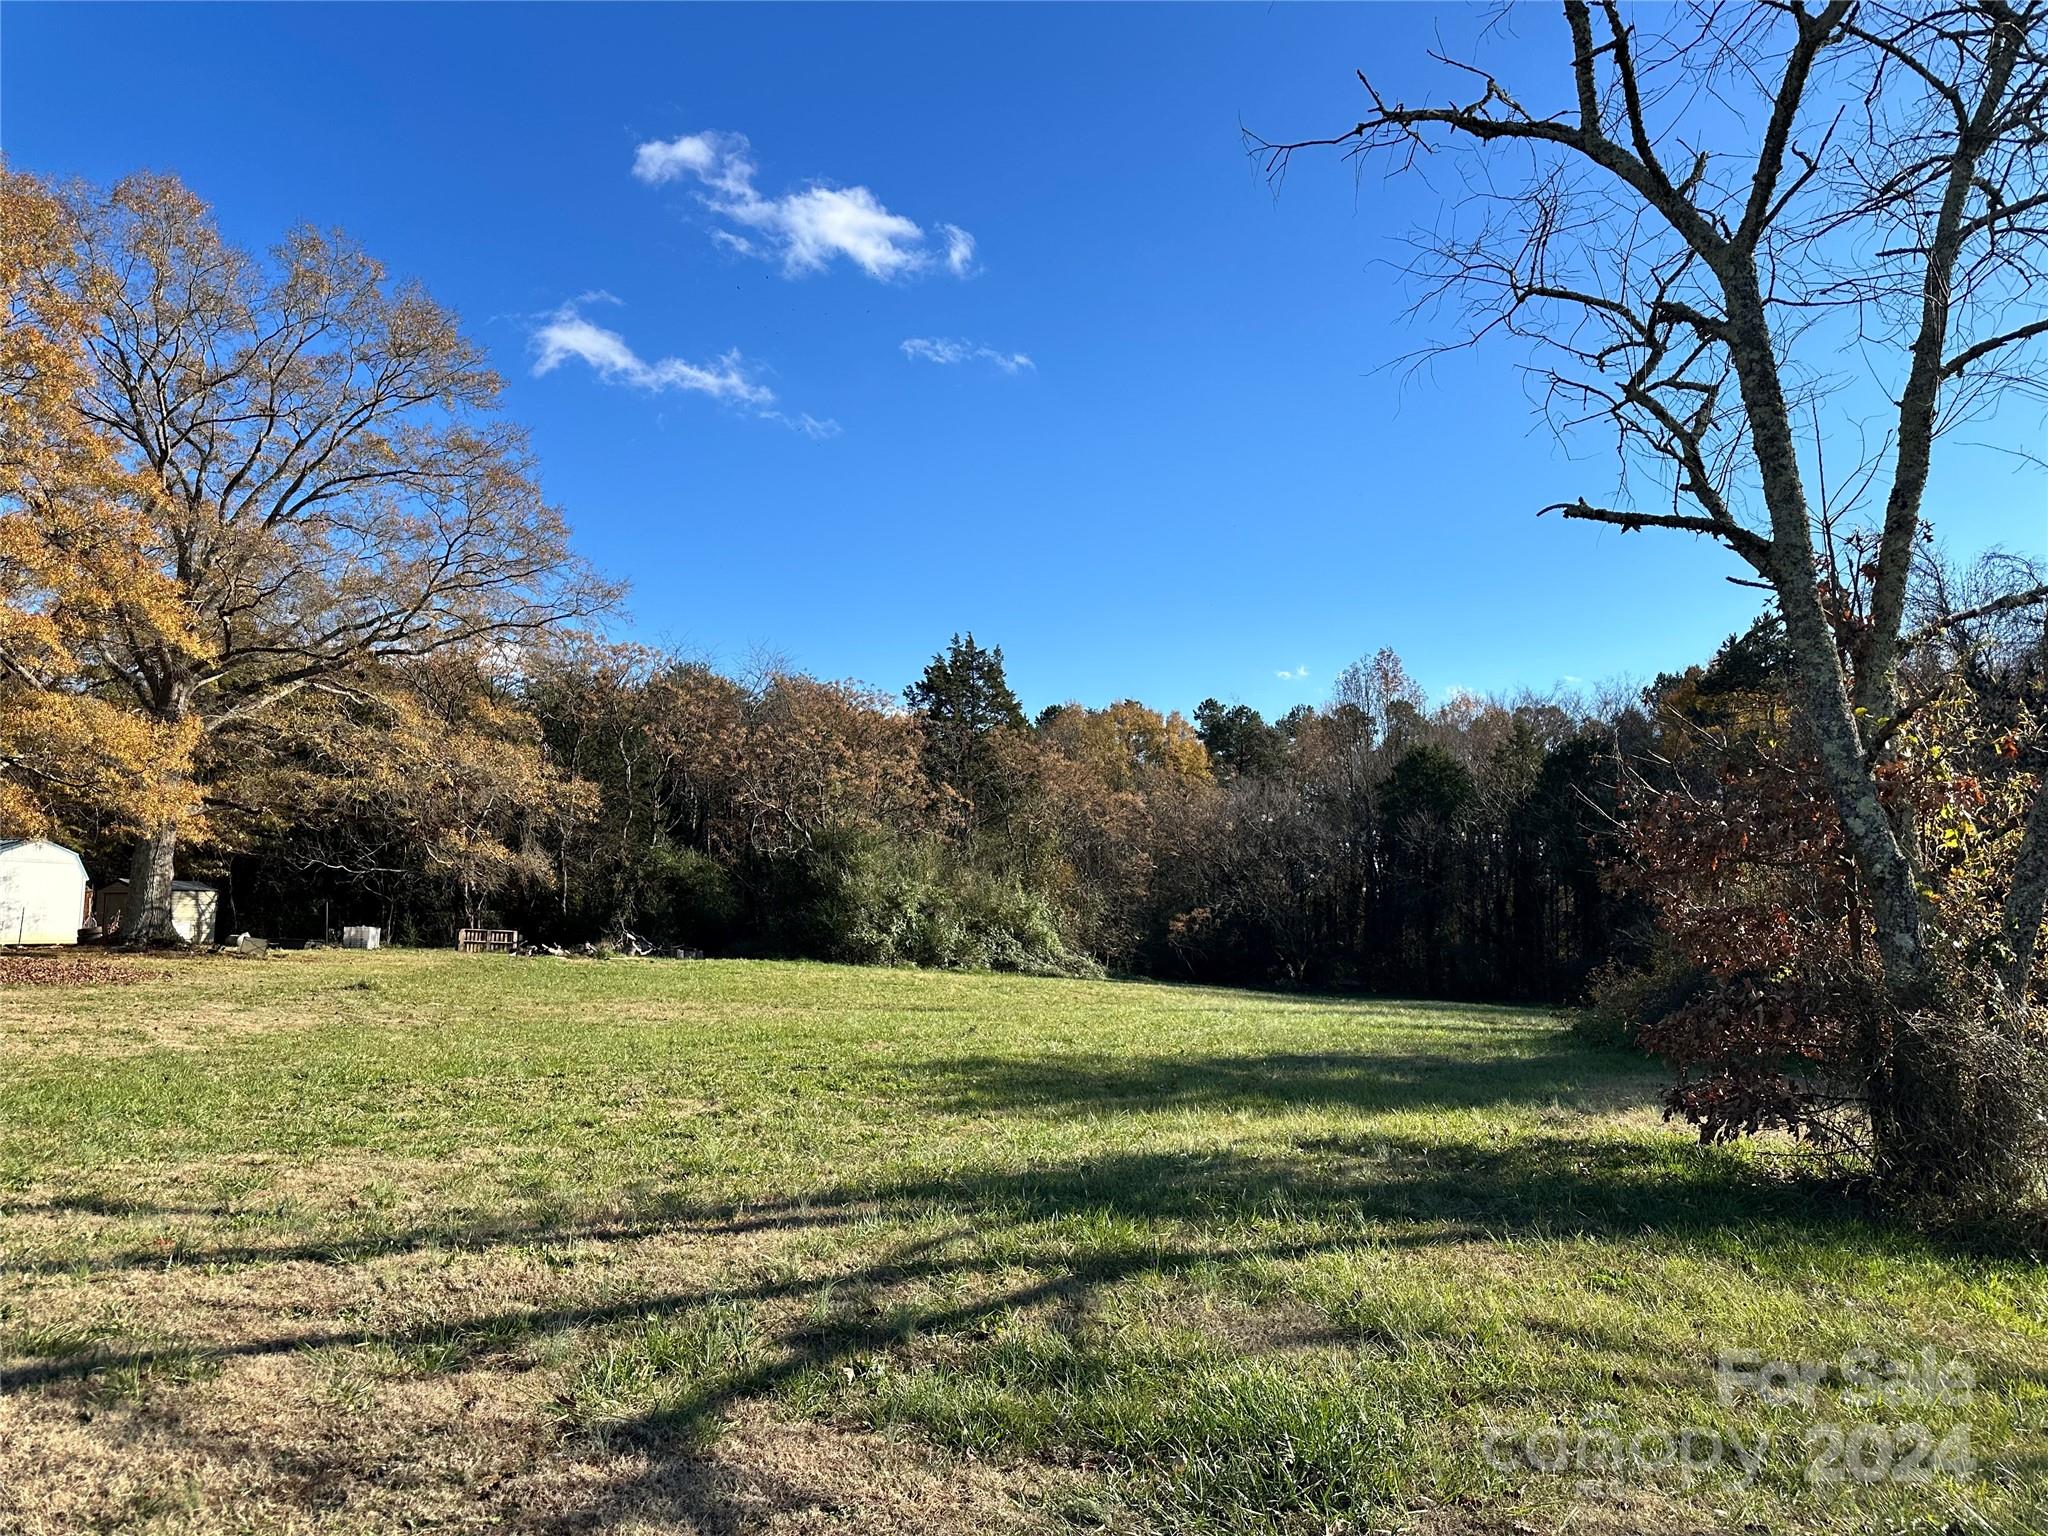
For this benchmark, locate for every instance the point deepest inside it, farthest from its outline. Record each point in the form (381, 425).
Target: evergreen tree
(1239, 741)
(965, 700)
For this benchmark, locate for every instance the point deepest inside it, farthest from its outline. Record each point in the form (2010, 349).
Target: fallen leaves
(43, 969)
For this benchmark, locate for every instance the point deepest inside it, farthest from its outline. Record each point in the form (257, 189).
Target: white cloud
(947, 350)
(937, 350)
(808, 228)
(695, 154)
(817, 431)
(1292, 677)
(959, 250)
(822, 222)
(567, 333)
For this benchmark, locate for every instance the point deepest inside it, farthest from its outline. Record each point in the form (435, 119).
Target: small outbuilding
(195, 909)
(44, 895)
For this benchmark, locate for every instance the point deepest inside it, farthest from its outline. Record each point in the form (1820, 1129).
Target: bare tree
(321, 465)
(1871, 254)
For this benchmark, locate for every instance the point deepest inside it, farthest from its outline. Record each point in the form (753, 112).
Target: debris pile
(629, 944)
(46, 970)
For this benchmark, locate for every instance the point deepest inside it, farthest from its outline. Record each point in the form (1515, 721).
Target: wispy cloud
(568, 333)
(959, 250)
(807, 228)
(947, 350)
(807, 424)
(1292, 677)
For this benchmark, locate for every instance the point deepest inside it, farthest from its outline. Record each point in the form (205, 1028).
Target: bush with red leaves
(1772, 1010)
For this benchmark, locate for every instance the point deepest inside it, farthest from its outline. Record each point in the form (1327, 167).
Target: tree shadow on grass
(1071, 1083)
(1365, 1004)
(681, 1484)
(651, 1218)
(1388, 1186)
(1067, 1085)
(1365, 1174)
(697, 1494)
(1051, 1239)
(973, 1248)
(1375, 1184)
(1172, 1208)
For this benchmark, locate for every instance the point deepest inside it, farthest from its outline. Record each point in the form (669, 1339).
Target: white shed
(43, 893)
(195, 909)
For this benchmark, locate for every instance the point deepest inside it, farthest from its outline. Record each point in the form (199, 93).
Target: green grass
(1166, 1258)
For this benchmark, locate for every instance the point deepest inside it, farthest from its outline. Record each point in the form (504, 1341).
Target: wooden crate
(487, 941)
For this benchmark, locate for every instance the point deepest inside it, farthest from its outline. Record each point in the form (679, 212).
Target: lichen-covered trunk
(147, 919)
(1938, 1122)
(1882, 861)
(1820, 689)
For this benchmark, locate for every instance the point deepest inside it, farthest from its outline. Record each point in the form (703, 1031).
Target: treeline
(597, 792)
(282, 605)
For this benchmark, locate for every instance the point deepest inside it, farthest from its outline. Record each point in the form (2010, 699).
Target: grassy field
(404, 1241)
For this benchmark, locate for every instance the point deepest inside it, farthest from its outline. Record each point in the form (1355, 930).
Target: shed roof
(19, 844)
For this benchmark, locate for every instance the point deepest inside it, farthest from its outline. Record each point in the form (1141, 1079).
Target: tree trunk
(1934, 1126)
(147, 919)
(1820, 691)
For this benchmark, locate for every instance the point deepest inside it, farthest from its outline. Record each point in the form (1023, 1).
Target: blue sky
(1201, 479)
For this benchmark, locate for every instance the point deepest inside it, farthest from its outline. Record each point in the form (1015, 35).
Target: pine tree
(965, 700)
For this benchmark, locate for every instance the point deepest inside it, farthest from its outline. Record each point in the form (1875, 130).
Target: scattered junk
(249, 944)
(362, 937)
(487, 941)
(45, 897)
(629, 944)
(195, 909)
(574, 952)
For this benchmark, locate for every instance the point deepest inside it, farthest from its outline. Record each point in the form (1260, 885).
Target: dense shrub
(1625, 1000)
(915, 901)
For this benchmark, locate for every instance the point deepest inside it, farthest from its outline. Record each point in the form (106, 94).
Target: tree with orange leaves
(75, 554)
(302, 475)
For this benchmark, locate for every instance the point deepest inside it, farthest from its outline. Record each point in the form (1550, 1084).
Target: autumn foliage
(1770, 1000)
(77, 557)
(234, 482)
